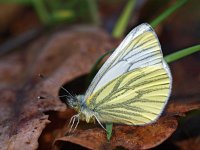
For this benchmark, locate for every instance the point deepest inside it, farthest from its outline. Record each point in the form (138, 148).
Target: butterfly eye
(72, 102)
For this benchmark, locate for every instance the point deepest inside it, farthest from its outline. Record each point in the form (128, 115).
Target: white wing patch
(117, 70)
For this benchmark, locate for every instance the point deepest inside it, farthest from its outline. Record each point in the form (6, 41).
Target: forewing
(139, 49)
(135, 98)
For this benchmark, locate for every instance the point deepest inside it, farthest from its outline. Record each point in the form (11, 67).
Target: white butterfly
(132, 87)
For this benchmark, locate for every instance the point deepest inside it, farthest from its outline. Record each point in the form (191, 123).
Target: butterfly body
(133, 85)
(85, 114)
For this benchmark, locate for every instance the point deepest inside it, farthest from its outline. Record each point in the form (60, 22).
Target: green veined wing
(135, 98)
(139, 61)
(140, 48)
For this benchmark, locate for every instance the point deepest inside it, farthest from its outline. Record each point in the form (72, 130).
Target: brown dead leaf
(129, 137)
(8, 12)
(187, 135)
(62, 57)
(192, 144)
(181, 107)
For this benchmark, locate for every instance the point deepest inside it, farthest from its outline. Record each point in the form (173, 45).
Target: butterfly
(132, 87)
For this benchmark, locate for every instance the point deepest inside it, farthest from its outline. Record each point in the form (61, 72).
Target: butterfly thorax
(77, 104)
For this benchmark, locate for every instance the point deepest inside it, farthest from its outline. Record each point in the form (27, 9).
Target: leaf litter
(63, 57)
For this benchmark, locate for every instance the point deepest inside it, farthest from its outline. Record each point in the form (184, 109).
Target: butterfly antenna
(42, 76)
(63, 96)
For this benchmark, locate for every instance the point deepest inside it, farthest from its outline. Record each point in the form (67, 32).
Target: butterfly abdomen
(87, 115)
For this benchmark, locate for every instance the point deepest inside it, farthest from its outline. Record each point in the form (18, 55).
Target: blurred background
(24, 21)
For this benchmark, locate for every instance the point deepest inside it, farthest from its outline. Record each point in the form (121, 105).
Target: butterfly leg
(72, 120)
(99, 123)
(76, 123)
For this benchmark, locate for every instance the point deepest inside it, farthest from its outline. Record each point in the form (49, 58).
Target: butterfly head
(74, 102)
(77, 104)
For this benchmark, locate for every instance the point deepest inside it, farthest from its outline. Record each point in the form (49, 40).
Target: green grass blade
(167, 12)
(122, 23)
(93, 11)
(41, 10)
(182, 53)
(62, 15)
(109, 130)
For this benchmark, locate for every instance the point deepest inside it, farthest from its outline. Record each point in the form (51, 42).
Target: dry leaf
(62, 57)
(129, 137)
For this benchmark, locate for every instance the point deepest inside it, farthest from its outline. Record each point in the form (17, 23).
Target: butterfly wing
(134, 84)
(140, 48)
(135, 98)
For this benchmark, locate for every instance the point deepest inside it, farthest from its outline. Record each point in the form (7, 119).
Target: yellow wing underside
(134, 98)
